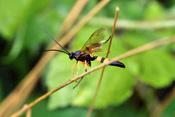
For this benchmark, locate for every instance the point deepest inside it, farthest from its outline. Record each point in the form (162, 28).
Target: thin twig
(101, 76)
(14, 100)
(29, 112)
(125, 55)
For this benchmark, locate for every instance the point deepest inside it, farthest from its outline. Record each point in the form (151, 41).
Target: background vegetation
(134, 91)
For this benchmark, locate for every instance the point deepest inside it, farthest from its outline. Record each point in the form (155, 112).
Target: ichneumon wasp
(86, 54)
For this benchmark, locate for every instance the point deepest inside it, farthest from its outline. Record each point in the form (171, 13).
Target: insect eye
(71, 56)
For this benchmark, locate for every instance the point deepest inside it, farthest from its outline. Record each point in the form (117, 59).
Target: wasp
(86, 54)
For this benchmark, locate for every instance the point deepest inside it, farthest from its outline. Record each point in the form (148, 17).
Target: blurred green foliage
(21, 36)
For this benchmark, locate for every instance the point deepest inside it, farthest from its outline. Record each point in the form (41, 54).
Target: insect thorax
(77, 53)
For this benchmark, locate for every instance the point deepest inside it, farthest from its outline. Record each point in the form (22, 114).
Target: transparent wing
(95, 42)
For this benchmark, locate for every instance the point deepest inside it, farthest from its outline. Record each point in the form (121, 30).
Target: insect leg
(81, 77)
(73, 68)
(85, 66)
(107, 40)
(78, 83)
(78, 69)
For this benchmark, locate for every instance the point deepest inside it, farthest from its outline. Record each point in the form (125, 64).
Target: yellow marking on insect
(99, 59)
(106, 60)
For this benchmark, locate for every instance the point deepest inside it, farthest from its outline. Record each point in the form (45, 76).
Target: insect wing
(95, 41)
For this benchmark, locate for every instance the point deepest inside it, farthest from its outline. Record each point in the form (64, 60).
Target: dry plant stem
(157, 112)
(28, 113)
(125, 55)
(99, 82)
(70, 19)
(22, 91)
(72, 16)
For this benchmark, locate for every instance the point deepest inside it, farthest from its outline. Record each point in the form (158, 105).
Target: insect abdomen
(104, 60)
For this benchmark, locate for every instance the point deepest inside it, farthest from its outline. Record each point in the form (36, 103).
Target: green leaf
(156, 68)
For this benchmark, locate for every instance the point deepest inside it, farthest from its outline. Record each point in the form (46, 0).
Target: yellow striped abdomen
(102, 60)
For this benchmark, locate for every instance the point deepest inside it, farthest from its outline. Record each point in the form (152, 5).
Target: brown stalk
(99, 82)
(29, 113)
(71, 17)
(17, 97)
(138, 50)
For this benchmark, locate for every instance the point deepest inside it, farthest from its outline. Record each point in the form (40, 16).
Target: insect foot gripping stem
(78, 83)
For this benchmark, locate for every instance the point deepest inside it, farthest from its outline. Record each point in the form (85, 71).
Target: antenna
(56, 50)
(55, 41)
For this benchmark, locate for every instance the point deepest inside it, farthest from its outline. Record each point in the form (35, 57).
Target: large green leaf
(156, 68)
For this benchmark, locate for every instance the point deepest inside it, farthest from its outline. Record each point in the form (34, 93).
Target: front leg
(78, 69)
(73, 68)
